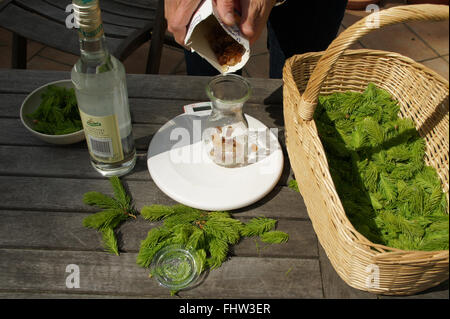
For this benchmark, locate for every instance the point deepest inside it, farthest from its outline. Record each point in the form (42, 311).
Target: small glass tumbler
(176, 267)
(226, 131)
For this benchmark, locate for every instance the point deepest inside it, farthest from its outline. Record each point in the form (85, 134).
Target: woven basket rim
(373, 52)
(366, 243)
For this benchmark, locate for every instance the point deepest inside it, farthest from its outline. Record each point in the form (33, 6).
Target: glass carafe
(226, 133)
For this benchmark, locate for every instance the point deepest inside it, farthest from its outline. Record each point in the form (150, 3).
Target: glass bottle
(101, 91)
(226, 132)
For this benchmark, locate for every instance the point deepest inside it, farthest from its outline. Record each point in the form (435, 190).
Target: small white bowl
(32, 102)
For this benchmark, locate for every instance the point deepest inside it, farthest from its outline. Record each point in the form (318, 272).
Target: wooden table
(41, 209)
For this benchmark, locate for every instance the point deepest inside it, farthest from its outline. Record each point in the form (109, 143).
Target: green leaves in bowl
(58, 112)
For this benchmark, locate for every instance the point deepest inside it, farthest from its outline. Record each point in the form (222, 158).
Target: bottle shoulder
(97, 66)
(104, 77)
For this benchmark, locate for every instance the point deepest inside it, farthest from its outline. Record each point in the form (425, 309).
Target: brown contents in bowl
(226, 49)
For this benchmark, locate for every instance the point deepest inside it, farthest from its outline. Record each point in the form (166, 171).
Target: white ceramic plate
(180, 167)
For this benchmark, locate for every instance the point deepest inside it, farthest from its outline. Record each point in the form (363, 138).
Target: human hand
(254, 15)
(178, 13)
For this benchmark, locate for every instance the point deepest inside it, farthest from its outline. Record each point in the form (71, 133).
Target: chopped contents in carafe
(228, 145)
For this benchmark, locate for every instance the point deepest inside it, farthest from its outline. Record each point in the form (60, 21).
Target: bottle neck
(93, 49)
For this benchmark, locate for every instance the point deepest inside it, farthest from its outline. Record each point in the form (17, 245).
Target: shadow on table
(441, 287)
(259, 203)
(274, 102)
(438, 292)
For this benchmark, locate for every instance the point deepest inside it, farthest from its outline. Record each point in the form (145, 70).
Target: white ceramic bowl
(32, 102)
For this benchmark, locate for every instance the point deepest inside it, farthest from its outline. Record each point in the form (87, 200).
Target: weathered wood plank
(168, 87)
(239, 277)
(31, 79)
(250, 277)
(65, 231)
(265, 91)
(66, 194)
(72, 294)
(302, 242)
(10, 104)
(142, 110)
(73, 162)
(58, 162)
(149, 111)
(12, 132)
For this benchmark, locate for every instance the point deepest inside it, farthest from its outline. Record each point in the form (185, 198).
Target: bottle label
(103, 137)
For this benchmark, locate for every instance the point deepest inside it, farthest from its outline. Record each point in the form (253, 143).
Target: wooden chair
(127, 23)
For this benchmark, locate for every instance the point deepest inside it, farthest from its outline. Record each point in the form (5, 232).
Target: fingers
(254, 17)
(247, 19)
(225, 8)
(178, 13)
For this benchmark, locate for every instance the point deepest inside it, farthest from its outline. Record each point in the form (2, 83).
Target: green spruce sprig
(210, 234)
(376, 160)
(293, 185)
(58, 112)
(114, 211)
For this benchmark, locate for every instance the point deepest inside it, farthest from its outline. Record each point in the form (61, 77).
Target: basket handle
(308, 101)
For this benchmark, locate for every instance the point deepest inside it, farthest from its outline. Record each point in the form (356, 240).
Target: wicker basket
(423, 97)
